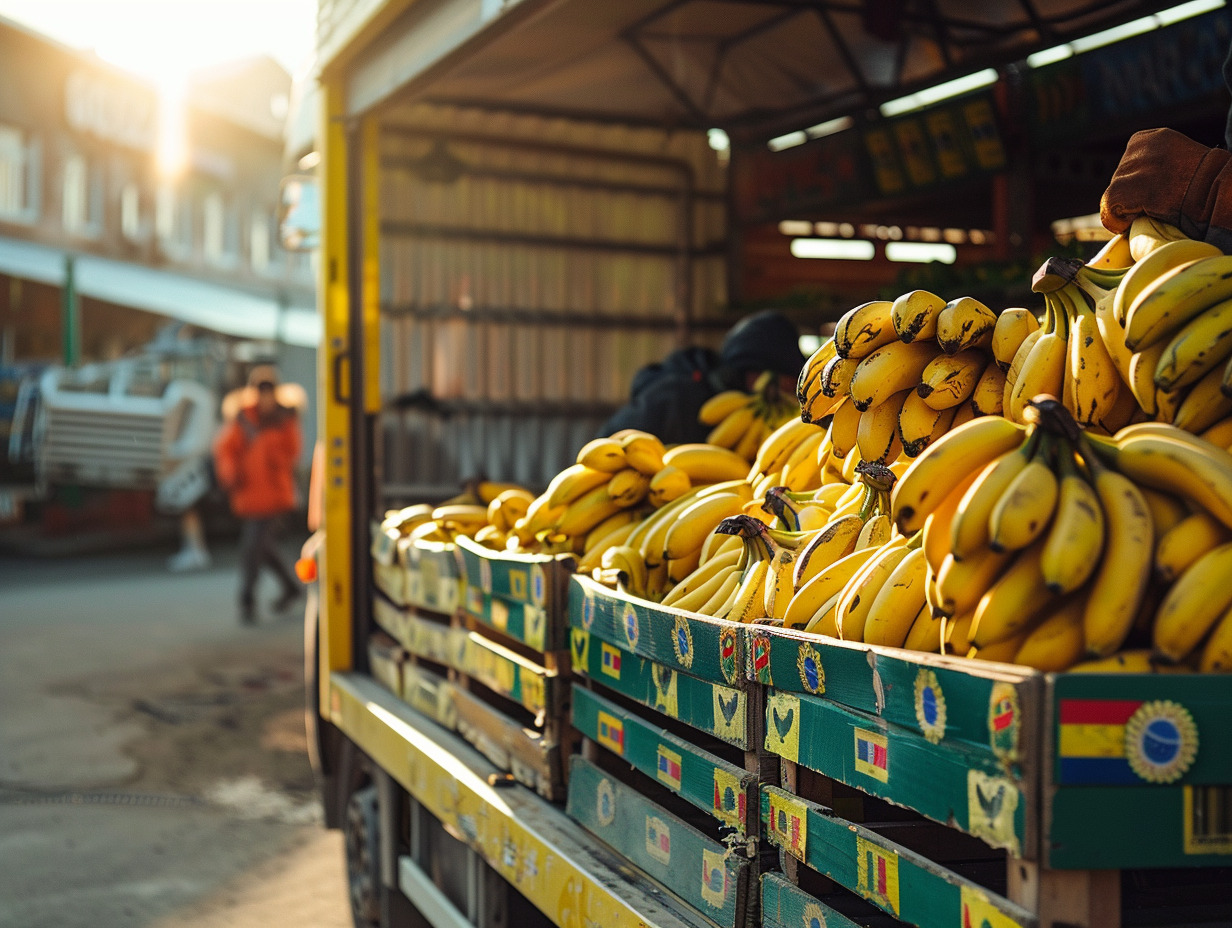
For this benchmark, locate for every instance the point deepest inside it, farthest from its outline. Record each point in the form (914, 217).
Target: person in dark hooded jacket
(666, 397)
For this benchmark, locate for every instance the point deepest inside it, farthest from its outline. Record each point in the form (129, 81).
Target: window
(259, 242)
(81, 202)
(214, 221)
(172, 221)
(130, 212)
(19, 166)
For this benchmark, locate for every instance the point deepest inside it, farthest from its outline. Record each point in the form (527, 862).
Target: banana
(1166, 509)
(969, 525)
(898, 602)
(603, 454)
(720, 604)
(587, 511)
(832, 543)
(1123, 572)
(593, 555)
(1011, 330)
(492, 537)
(1076, 539)
(1193, 605)
(629, 562)
(1185, 542)
(1043, 369)
(822, 587)
(961, 583)
(706, 463)
(844, 428)
(1025, 509)
(1217, 653)
(572, 483)
(539, 516)
(877, 433)
(722, 405)
(1015, 369)
(816, 409)
(1173, 299)
(1002, 651)
(1142, 367)
(1115, 254)
(811, 371)
(1136, 661)
(628, 487)
(1093, 382)
(716, 544)
(462, 514)
(1219, 434)
(1010, 604)
(1204, 404)
(1145, 235)
(964, 323)
(851, 610)
(779, 444)
(925, 633)
(915, 315)
(1154, 265)
(1056, 643)
(989, 391)
(865, 328)
(750, 593)
(1176, 464)
(939, 524)
(836, 376)
(890, 369)
(696, 589)
(691, 526)
(668, 484)
(1113, 335)
(877, 531)
(956, 633)
(950, 379)
(625, 520)
(733, 427)
(643, 452)
(919, 425)
(946, 463)
(1200, 346)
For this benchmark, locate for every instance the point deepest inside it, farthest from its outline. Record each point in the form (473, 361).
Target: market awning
(211, 306)
(753, 67)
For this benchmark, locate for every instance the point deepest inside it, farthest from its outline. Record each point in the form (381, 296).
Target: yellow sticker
(729, 799)
(978, 910)
(783, 725)
(872, 754)
(579, 651)
(1208, 819)
(788, 823)
(611, 733)
(534, 626)
(665, 699)
(668, 767)
(519, 585)
(611, 661)
(991, 804)
(658, 839)
(877, 874)
(730, 712)
(714, 879)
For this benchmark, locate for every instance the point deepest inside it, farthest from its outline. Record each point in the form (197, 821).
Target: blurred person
(193, 553)
(666, 397)
(255, 457)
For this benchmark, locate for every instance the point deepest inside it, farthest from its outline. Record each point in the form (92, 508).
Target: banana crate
(937, 789)
(671, 762)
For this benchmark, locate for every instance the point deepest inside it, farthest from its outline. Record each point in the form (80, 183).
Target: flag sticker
(668, 769)
(729, 799)
(714, 879)
(658, 839)
(877, 876)
(872, 756)
(518, 585)
(611, 733)
(611, 661)
(788, 823)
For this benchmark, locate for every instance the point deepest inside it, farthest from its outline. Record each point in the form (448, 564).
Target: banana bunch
(503, 511)
(794, 456)
(898, 374)
(742, 421)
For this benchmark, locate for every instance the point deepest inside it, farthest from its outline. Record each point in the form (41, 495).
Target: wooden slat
(524, 622)
(385, 658)
(706, 781)
(714, 709)
(530, 755)
(511, 675)
(430, 694)
(428, 638)
(786, 906)
(905, 884)
(695, 868)
(532, 588)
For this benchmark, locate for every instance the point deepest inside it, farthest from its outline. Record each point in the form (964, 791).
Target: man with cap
(255, 457)
(666, 397)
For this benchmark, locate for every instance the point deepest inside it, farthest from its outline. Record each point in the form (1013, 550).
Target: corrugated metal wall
(528, 268)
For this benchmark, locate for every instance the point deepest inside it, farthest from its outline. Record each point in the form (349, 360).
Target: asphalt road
(152, 755)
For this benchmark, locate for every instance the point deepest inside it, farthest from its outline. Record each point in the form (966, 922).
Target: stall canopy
(753, 67)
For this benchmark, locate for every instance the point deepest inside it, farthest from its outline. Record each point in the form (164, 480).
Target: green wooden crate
(433, 580)
(537, 689)
(786, 906)
(424, 637)
(898, 881)
(385, 659)
(523, 596)
(712, 649)
(430, 694)
(1139, 771)
(717, 710)
(697, 869)
(708, 782)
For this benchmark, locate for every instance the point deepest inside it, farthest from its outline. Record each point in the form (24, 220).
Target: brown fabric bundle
(1170, 177)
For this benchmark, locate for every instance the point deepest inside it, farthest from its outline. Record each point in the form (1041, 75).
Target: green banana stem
(870, 504)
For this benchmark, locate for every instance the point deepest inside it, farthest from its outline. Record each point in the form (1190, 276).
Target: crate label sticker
(485, 576)
(877, 874)
(430, 579)
(519, 584)
(579, 651)
(611, 733)
(761, 659)
(991, 804)
(812, 676)
(682, 642)
(414, 586)
(658, 839)
(474, 600)
(534, 692)
(446, 708)
(1161, 741)
(1004, 721)
(978, 910)
(588, 612)
(1123, 741)
(665, 690)
(814, 915)
(450, 595)
(727, 654)
(605, 802)
(872, 754)
(629, 624)
(714, 879)
(1208, 819)
(729, 799)
(789, 824)
(538, 586)
(528, 872)
(611, 661)
(929, 705)
(534, 626)
(730, 714)
(783, 725)
(667, 767)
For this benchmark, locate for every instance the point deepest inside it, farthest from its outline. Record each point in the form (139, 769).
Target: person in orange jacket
(254, 459)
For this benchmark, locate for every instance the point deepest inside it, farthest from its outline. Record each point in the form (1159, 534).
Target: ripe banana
(1115, 254)
(919, 424)
(1217, 654)
(1153, 265)
(750, 593)
(1200, 346)
(730, 430)
(989, 393)
(587, 511)
(1092, 381)
(572, 483)
(969, 526)
(603, 454)
(950, 379)
(1043, 369)
(628, 487)
(1015, 369)
(691, 526)
(898, 602)
(706, 463)
(1170, 301)
(722, 405)
(1076, 539)
(964, 323)
(851, 611)
(961, 583)
(779, 444)
(1025, 509)
(939, 524)
(832, 543)
(925, 633)
(1185, 542)
(1113, 335)
(1010, 604)
(668, 484)
(1142, 367)
(643, 452)
(1011, 330)
(1177, 463)
(1204, 404)
(915, 315)
(890, 369)
(696, 590)
(844, 428)
(1145, 235)
(877, 433)
(1194, 604)
(836, 376)
(865, 328)
(823, 587)
(1056, 643)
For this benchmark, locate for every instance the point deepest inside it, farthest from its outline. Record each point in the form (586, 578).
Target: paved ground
(152, 765)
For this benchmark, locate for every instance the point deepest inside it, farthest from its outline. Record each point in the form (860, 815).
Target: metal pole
(70, 315)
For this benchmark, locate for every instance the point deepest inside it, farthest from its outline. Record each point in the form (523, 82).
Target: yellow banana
(1204, 404)
(964, 323)
(1113, 335)
(1146, 235)
(750, 593)
(692, 525)
(1015, 369)
(950, 379)
(865, 328)
(877, 433)
(1043, 370)
(1185, 542)
(603, 454)
(1076, 539)
(1202, 345)
(1002, 651)
(1176, 463)
(1166, 509)
(668, 484)
(1219, 434)
(1193, 605)
(643, 452)
(625, 520)
(877, 531)
(587, 511)
(917, 423)
(780, 443)
(1217, 653)
(1010, 604)
(1154, 265)
(1025, 509)
(695, 596)
(1056, 643)
(844, 428)
(851, 611)
(1115, 254)
(925, 633)
(956, 633)
(1136, 661)
(961, 583)
(989, 391)
(1173, 299)
(733, 427)
(811, 370)
(898, 602)
(1093, 381)
(722, 405)
(823, 587)
(946, 463)
(1142, 366)
(706, 463)
(628, 561)
(938, 526)
(628, 487)
(915, 315)
(832, 543)
(572, 483)
(1011, 330)
(890, 369)
(720, 604)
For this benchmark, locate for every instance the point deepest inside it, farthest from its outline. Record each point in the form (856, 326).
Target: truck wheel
(361, 833)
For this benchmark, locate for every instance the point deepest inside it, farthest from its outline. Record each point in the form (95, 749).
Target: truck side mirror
(299, 213)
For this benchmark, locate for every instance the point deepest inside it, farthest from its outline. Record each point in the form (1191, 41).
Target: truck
(522, 203)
